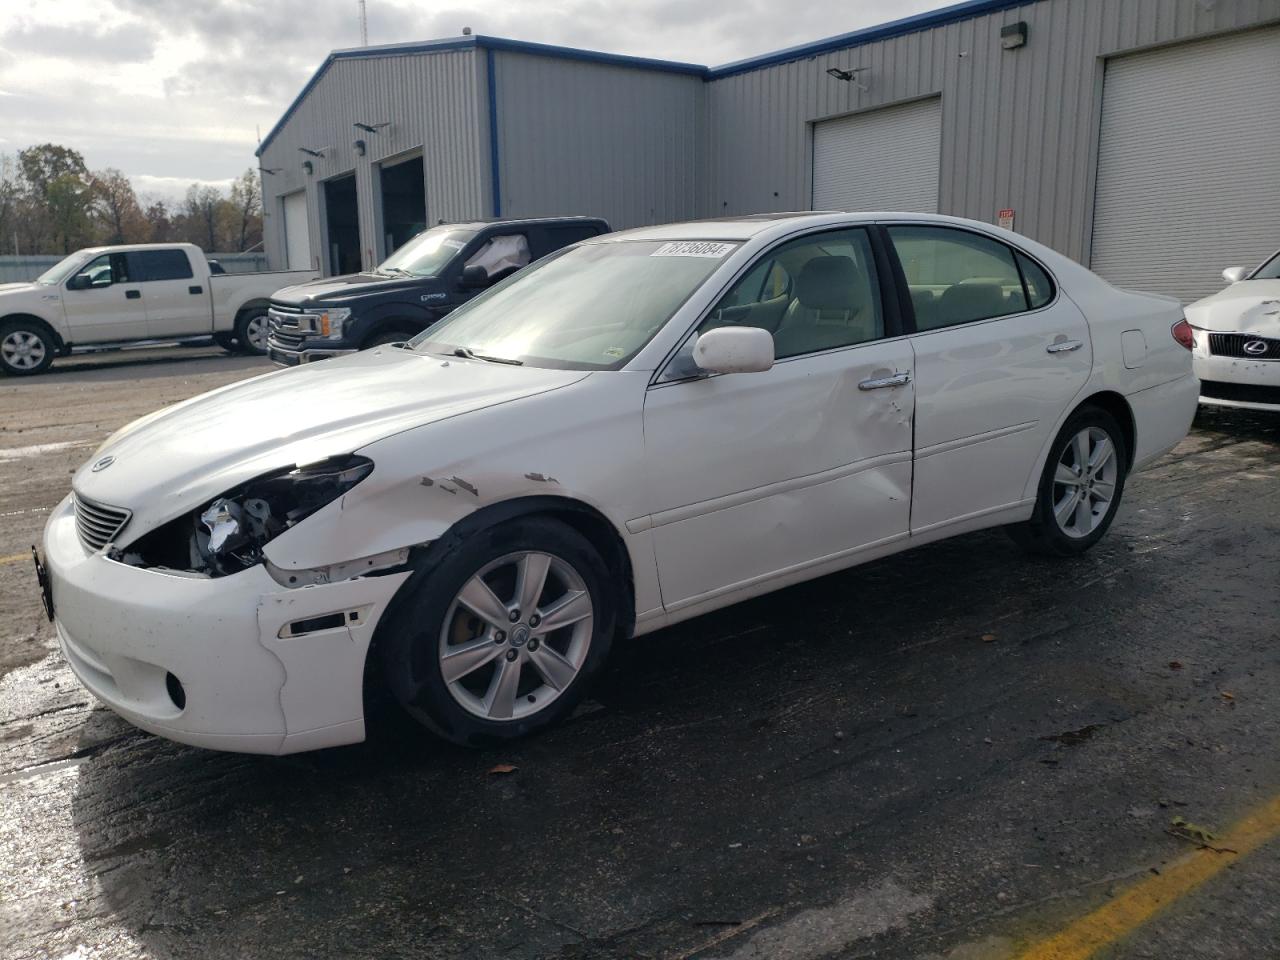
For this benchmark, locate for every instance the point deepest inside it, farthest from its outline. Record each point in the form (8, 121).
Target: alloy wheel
(1084, 482)
(256, 330)
(22, 350)
(516, 636)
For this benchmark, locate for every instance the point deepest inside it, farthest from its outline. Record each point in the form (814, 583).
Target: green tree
(67, 200)
(47, 162)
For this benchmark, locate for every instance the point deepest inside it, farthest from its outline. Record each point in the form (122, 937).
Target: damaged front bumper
(1235, 381)
(238, 663)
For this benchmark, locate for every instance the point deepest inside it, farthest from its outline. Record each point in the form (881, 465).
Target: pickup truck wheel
(25, 348)
(251, 332)
(227, 341)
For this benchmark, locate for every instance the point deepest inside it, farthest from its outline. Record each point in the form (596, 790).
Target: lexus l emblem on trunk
(1255, 347)
(103, 464)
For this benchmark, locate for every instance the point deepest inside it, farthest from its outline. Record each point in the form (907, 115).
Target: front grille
(96, 523)
(285, 340)
(1241, 392)
(1233, 345)
(290, 320)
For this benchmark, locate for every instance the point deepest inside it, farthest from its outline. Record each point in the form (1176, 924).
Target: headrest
(828, 283)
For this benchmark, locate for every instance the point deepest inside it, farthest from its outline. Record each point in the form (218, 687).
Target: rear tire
(502, 634)
(252, 332)
(1080, 488)
(26, 348)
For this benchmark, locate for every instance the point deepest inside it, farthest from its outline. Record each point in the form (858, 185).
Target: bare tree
(116, 207)
(246, 197)
(201, 208)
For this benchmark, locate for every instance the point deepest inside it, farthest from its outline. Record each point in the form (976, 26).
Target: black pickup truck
(422, 281)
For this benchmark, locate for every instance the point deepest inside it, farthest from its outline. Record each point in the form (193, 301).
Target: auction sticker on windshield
(693, 248)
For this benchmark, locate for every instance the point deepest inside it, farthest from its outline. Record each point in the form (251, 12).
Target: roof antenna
(364, 25)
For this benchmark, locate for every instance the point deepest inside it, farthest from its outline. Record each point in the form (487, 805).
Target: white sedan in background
(635, 430)
(1237, 331)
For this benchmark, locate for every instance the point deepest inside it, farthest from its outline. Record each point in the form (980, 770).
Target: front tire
(384, 337)
(1080, 488)
(501, 636)
(26, 348)
(252, 332)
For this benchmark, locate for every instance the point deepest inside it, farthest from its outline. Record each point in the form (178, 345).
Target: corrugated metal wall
(596, 139)
(1019, 127)
(435, 102)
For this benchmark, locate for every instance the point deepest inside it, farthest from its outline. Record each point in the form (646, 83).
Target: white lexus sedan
(1237, 334)
(635, 430)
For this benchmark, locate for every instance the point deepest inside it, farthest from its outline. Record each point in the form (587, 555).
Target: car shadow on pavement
(811, 725)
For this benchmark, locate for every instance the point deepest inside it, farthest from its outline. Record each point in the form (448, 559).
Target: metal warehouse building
(1140, 137)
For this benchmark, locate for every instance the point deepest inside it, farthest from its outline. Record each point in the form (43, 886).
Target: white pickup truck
(110, 296)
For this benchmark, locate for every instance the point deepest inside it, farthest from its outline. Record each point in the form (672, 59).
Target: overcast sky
(175, 91)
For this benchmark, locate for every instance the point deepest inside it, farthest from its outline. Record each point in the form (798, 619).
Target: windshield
(590, 307)
(1269, 270)
(62, 269)
(427, 253)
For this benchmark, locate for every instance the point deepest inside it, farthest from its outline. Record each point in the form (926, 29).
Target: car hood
(1250, 306)
(12, 288)
(334, 289)
(177, 458)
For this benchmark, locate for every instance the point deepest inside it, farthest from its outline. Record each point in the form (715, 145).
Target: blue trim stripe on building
(920, 21)
(495, 176)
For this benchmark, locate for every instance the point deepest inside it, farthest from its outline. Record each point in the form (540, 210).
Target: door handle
(133, 294)
(1064, 346)
(876, 383)
(195, 290)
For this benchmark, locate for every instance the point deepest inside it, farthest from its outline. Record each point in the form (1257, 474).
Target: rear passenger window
(1039, 286)
(147, 265)
(955, 276)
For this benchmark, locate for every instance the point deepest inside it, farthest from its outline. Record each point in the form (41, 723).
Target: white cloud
(173, 91)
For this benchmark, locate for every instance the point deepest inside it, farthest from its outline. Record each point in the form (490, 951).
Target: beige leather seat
(832, 308)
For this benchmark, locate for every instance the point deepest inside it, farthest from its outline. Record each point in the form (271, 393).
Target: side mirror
(80, 281)
(1235, 274)
(734, 350)
(474, 277)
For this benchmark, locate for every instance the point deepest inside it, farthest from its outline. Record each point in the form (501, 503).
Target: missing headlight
(228, 533)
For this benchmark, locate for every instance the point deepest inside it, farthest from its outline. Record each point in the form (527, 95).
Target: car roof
(773, 224)
(523, 222)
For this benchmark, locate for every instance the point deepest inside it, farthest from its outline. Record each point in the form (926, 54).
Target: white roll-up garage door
(1189, 164)
(881, 160)
(297, 238)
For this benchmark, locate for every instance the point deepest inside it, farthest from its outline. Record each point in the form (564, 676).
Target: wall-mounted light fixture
(371, 127)
(848, 76)
(359, 145)
(312, 153)
(1013, 35)
(308, 168)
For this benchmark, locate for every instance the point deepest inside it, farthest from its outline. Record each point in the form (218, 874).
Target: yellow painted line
(15, 558)
(1123, 915)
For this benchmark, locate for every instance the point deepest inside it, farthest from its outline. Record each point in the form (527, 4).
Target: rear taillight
(1183, 333)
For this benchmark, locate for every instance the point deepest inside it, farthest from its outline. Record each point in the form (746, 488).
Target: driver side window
(815, 293)
(97, 273)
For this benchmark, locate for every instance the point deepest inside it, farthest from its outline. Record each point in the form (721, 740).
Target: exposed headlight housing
(332, 321)
(228, 534)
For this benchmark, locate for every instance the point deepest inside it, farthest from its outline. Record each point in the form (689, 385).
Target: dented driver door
(780, 475)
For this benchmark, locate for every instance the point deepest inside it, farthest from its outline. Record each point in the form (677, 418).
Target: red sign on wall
(1004, 218)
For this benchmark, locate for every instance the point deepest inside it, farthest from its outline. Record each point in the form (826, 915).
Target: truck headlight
(227, 534)
(332, 321)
